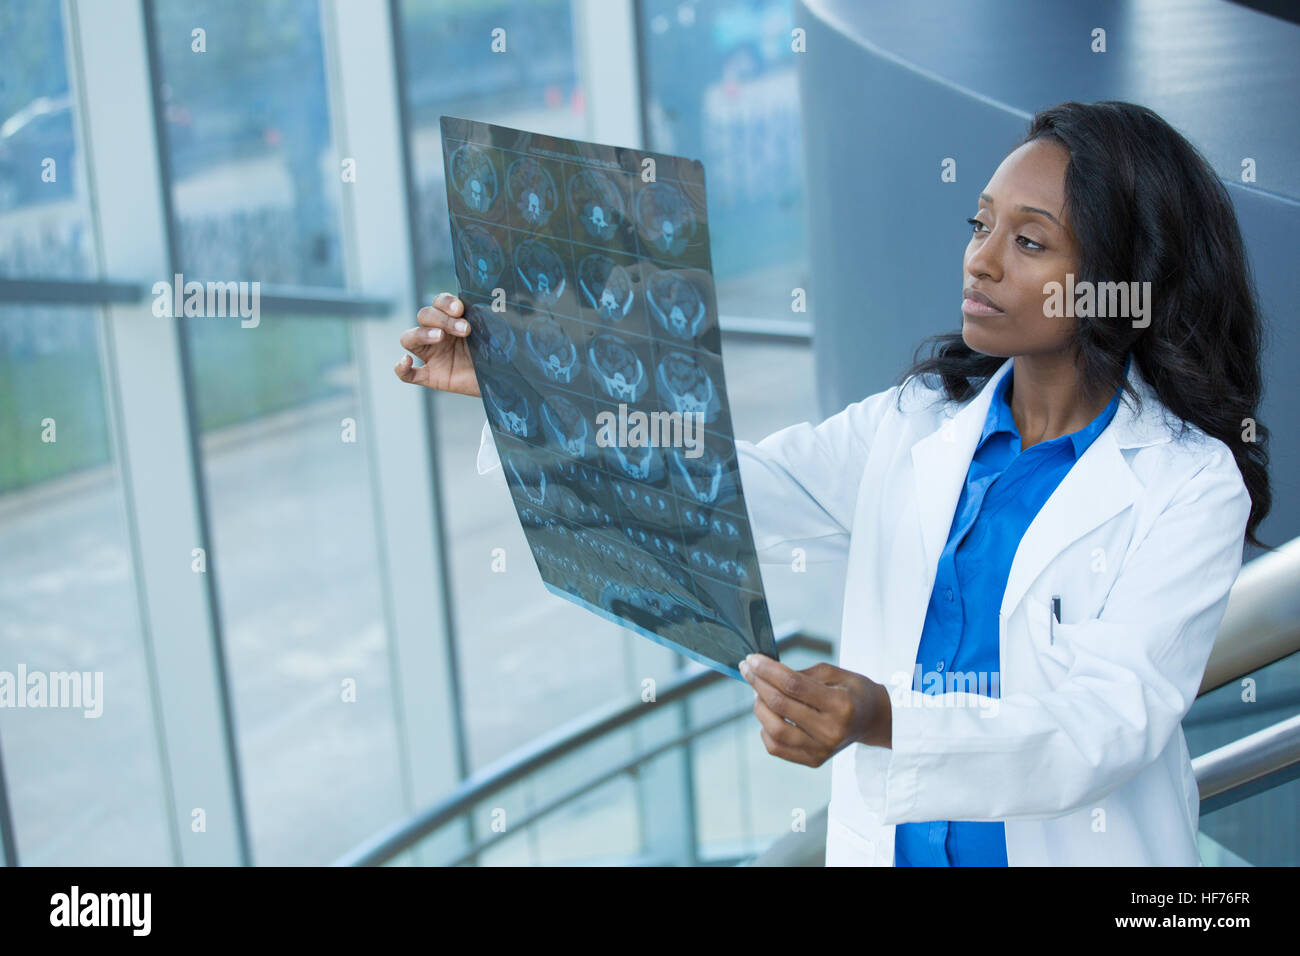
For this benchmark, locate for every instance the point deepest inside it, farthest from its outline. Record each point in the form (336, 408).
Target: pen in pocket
(1056, 619)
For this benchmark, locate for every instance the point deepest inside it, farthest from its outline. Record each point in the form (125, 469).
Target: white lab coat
(1083, 754)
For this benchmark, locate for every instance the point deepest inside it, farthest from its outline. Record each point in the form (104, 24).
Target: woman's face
(1022, 242)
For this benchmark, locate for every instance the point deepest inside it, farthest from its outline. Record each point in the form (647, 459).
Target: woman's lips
(975, 307)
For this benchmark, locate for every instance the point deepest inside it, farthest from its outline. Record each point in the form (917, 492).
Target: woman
(1039, 523)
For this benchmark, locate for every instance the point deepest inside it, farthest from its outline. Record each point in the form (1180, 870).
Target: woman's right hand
(441, 346)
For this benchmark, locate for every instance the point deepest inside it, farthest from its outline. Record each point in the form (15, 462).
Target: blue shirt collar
(999, 417)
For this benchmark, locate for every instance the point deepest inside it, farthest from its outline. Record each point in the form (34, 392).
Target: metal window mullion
(398, 426)
(151, 422)
(605, 33)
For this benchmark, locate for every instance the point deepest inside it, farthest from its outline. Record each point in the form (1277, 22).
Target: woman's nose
(983, 260)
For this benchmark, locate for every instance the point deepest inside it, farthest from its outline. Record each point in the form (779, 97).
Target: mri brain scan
(606, 287)
(591, 296)
(565, 425)
(508, 407)
(474, 178)
(532, 192)
(541, 270)
(618, 370)
(496, 337)
(551, 350)
(596, 204)
(686, 387)
(675, 304)
(665, 219)
(701, 480)
(481, 257)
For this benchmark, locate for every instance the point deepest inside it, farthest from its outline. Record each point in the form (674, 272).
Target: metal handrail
(1257, 762)
(1261, 623)
(550, 748)
(1249, 638)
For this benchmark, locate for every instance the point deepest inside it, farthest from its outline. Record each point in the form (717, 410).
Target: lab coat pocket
(1051, 640)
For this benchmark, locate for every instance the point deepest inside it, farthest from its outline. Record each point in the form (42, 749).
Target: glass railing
(678, 780)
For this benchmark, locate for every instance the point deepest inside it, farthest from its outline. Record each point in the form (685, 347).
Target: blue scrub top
(1005, 488)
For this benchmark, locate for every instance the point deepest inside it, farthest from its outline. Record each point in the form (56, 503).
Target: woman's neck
(1046, 400)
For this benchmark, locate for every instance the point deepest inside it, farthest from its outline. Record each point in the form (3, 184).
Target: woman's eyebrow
(1043, 212)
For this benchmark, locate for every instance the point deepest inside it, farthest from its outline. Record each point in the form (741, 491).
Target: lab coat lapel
(939, 465)
(1099, 486)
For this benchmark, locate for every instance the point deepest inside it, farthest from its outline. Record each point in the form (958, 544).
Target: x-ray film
(587, 282)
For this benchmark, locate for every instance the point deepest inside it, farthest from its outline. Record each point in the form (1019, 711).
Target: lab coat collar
(1098, 486)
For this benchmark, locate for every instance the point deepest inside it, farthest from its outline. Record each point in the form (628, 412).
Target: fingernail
(461, 325)
(744, 667)
(435, 334)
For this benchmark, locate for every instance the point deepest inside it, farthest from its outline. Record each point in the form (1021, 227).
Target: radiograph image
(606, 287)
(551, 350)
(595, 340)
(666, 220)
(534, 196)
(568, 427)
(479, 257)
(497, 342)
(511, 405)
(540, 271)
(619, 367)
(670, 218)
(597, 203)
(686, 385)
(473, 182)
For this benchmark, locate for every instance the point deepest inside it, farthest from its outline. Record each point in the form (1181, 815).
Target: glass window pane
(1262, 828)
(772, 385)
(293, 522)
(85, 781)
(284, 453)
(536, 87)
(543, 661)
(256, 184)
(44, 215)
(1258, 831)
(720, 85)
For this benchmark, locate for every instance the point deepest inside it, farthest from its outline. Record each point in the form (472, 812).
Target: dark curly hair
(1144, 204)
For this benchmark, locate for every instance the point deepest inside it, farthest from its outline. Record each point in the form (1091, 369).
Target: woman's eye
(1033, 246)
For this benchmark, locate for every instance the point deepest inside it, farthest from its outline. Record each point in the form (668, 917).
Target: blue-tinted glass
(256, 187)
(68, 614)
(1261, 829)
(720, 85)
(256, 184)
(44, 231)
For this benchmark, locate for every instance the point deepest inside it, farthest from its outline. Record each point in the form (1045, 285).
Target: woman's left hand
(810, 715)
